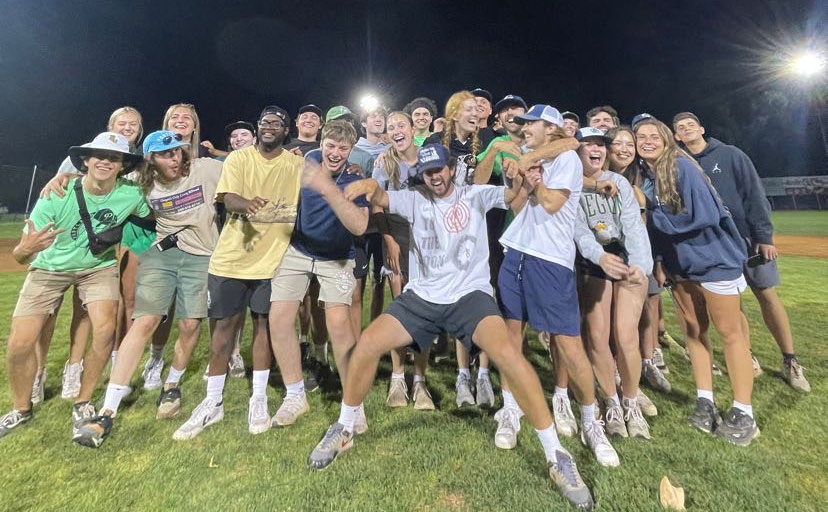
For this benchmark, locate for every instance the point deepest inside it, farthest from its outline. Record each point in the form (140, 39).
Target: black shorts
(373, 251)
(588, 268)
(227, 296)
(401, 232)
(360, 258)
(425, 320)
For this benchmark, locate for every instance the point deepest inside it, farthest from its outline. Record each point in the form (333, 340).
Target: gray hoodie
(603, 220)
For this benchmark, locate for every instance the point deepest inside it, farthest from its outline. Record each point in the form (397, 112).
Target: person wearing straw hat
(71, 240)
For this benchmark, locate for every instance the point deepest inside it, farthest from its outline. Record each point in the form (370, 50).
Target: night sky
(64, 66)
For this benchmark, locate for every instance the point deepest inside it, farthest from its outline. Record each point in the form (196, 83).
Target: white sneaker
(508, 426)
(593, 435)
(292, 407)
(81, 411)
(71, 379)
(207, 413)
(361, 422)
(565, 422)
(152, 373)
(647, 405)
(258, 419)
(39, 387)
(236, 366)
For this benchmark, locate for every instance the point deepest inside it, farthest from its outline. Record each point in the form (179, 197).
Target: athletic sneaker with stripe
(13, 419)
(207, 413)
(337, 440)
(564, 473)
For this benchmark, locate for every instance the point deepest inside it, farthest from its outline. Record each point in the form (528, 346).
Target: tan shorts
(43, 290)
(292, 277)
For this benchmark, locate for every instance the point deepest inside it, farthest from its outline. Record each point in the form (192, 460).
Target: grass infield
(422, 461)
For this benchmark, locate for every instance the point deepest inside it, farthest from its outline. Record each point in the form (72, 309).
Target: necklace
(98, 200)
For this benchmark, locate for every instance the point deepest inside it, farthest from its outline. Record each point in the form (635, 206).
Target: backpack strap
(82, 210)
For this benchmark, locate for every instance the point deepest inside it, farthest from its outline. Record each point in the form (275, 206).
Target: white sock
(550, 442)
(114, 356)
(174, 376)
(629, 402)
(745, 408)
(509, 401)
(703, 393)
(465, 372)
(156, 352)
(303, 339)
(260, 383)
(614, 398)
(347, 415)
(398, 376)
(564, 392)
(113, 397)
(215, 387)
(297, 388)
(587, 414)
(419, 378)
(482, 372)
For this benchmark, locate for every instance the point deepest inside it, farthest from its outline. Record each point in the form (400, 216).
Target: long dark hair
(148, 170)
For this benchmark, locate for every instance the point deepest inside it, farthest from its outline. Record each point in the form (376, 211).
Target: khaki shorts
(43, 290)
(292, 277)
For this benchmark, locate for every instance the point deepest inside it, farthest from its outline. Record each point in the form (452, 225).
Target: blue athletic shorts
(539, 292)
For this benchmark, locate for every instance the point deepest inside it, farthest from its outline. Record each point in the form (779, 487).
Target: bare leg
(378, 297)
(79, 330)
(262, 353)
(129, 271)
(514, 328)
(692, 308)
(24, 335)
(356, 306)
(571, 349)
(776, 318)
(726, 315)
(45, 339)
(628, 301)
(595, 295)
(132, 348)
(102, 314)
(648, 327)
(342, 336)
(284, 340)
(189, 330)
(221, 344)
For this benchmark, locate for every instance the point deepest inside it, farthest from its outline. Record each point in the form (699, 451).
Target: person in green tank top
(422, 111)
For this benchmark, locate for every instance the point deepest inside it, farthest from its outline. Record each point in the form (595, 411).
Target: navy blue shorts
(539, 292)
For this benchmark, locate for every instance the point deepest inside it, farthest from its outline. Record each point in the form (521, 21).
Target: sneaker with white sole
(705, 417)
(653, 376)
(71, 379)
(637, 426)
(485, 393)
(169, 402)
(81, 411)
(13, 419)
(658, 360)
(565, 422)
(39, 387)
(207, 413)
(757, 368)
(292, 407)
(421, 397)
(236, 366)
(152, 373)
(737, 427)
(794, 375)
(336, 440)
(564, 473)
(258, 417)
(614, 418)
(508, 426)
(397, 393)
(593, 436)
(647, 406)
(464, 392)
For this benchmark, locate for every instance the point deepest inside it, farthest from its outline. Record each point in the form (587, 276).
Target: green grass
(809, 222)
(422, 461)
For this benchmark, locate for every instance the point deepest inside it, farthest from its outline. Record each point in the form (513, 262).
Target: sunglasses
(169, 138)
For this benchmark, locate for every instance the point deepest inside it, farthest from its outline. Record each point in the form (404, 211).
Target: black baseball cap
(278, 112)
(510, 100)
(236, 125)
(310, 108)
(571, 115)
(482, 93)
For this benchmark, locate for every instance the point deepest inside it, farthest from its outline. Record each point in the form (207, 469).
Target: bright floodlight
(368, 102)
(807, 64)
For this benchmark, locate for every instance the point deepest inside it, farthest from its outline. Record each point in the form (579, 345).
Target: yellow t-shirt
(252, 247)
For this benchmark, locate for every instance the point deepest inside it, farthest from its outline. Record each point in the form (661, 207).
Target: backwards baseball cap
(310, 108)
(590, 131)
(162, 140)
(106, 141)
(571, 115)
(243, 125)
(337, 112)
(432, 156)
(278, 112)
(640, 117)
(482, 93)
(541, 113)
(510, 100)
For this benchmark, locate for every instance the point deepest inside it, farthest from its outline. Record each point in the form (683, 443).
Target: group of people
(484, 220)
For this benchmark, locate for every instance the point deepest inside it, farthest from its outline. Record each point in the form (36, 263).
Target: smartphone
(756, 260)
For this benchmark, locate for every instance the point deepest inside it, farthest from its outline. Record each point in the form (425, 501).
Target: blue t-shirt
(318, 232)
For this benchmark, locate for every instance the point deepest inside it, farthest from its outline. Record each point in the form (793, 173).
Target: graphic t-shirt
(70, 250)
(187, 207)
(319, 233)
(251, 247)
(449, 254)
(550, 237)
(381, 177)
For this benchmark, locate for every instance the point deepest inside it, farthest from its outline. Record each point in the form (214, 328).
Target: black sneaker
(12, 420)
(92, 432)
(169, 403)
(705, 417)
(737, 427)
(313, 374)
